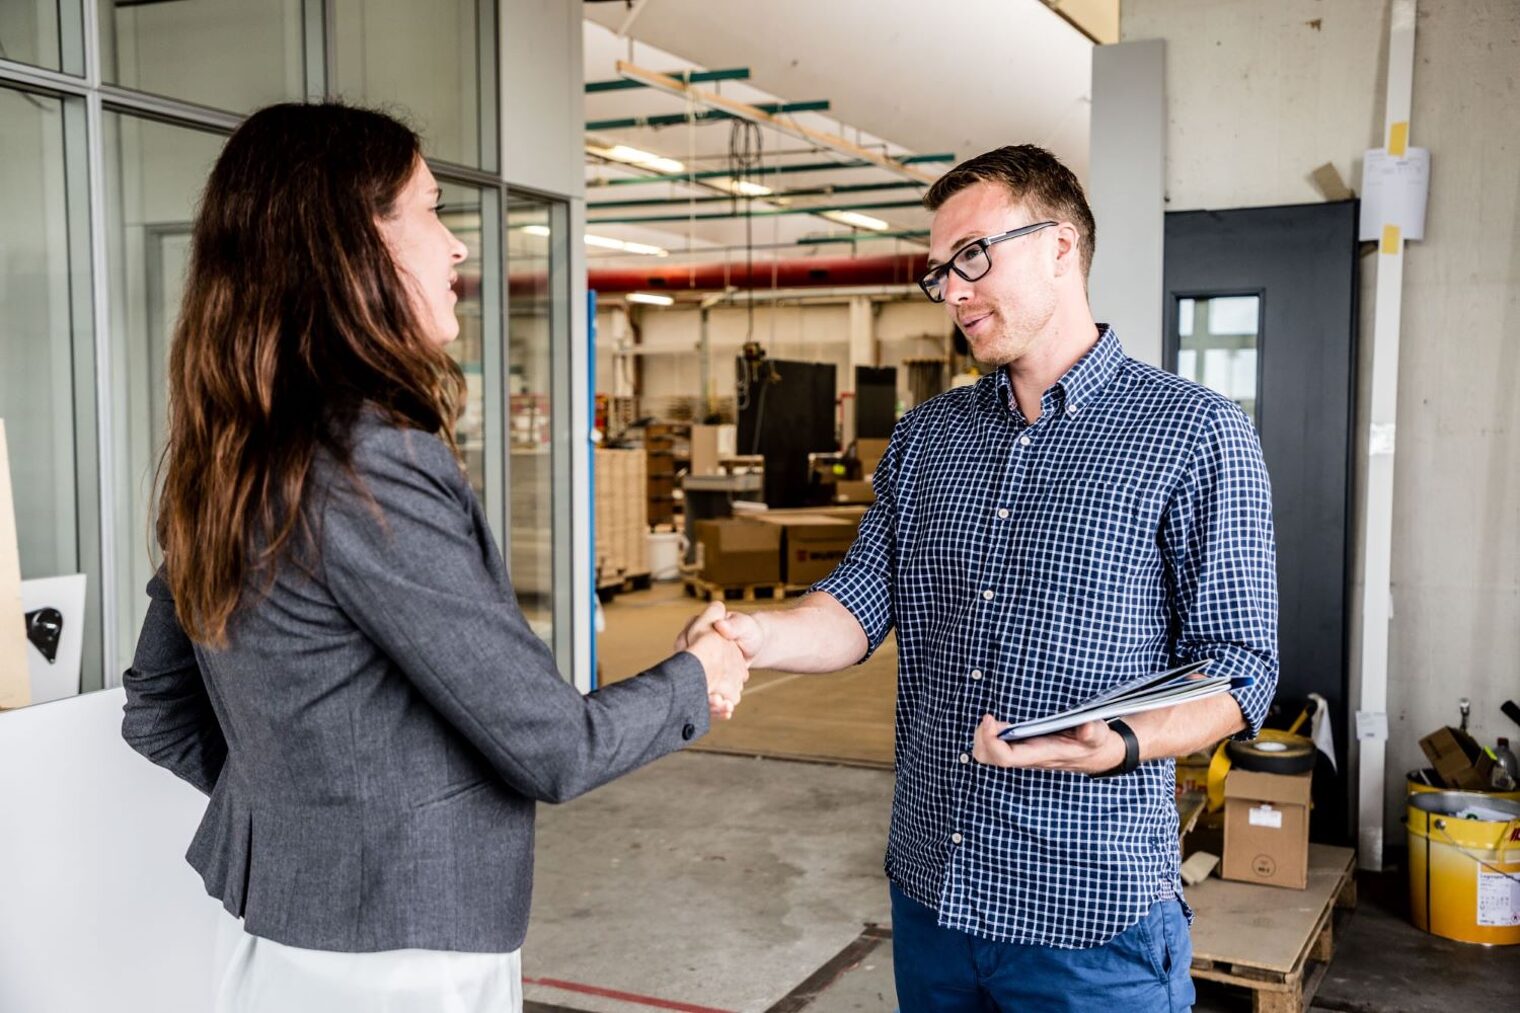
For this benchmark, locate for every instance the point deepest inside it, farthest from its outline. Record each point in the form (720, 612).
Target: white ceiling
(901, 77)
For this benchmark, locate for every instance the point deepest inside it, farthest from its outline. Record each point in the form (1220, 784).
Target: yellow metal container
(1464, 866)
(1416, 786)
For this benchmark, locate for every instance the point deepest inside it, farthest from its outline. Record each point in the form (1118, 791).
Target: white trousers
(262, 976)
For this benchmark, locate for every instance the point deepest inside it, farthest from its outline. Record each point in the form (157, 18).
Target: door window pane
(1217, 345)
(46, 371)
(531, 240)
(462, 215)
(421, 61)
(236, 55)
(29, 32)
(154, 176)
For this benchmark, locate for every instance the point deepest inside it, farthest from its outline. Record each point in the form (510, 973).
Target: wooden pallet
(622, 583)
(1275, 942)
(696, 587)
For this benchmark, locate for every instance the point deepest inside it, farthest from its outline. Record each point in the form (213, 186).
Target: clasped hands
(726, 643)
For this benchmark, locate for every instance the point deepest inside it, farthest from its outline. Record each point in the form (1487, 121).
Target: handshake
(726, 643)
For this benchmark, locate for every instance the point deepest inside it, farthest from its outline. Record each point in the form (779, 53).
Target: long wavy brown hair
(294, 319)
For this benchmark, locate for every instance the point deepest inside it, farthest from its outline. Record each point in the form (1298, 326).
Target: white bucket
(665, 551)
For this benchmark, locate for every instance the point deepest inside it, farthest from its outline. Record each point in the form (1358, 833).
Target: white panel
(1125, 188)
(101, 910)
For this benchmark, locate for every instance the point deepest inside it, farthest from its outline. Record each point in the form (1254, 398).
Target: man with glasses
(1074, 520)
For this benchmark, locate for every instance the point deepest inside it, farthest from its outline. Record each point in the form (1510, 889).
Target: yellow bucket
(1464, 866)
(1417, 784)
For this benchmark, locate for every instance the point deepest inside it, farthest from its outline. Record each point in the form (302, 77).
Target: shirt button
(688, 730)
(1026, 441)
(955, 838)
(1002, 513)
(988, 594)
(1071, 409)
(965, 757)
(976, 673)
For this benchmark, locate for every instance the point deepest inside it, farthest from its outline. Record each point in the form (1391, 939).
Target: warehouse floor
(724, 883)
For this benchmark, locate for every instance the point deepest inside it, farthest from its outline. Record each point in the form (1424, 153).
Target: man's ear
(1068, 249)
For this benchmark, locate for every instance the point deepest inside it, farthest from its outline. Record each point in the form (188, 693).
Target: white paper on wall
(1394, 191)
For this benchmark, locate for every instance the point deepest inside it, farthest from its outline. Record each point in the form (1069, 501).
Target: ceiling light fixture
(604, 242)
(856, 219)
(743, 187)
(634, 156)
(649, 298)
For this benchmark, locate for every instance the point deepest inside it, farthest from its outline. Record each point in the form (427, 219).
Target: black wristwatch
(1131, 750)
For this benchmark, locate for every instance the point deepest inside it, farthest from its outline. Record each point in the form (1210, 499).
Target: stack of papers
(1182, 684)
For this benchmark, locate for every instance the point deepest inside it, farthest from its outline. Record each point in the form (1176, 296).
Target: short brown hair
(1032, 175)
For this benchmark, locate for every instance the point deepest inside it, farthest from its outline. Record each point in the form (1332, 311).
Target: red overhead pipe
(794, 273)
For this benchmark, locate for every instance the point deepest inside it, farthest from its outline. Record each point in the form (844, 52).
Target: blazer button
(688, 730)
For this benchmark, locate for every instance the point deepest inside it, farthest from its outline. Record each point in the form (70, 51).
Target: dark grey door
(1261, 305)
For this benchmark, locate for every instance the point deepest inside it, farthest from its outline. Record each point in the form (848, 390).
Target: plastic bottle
(1508, 764)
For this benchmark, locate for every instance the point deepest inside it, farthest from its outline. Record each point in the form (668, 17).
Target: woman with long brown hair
(333, 650)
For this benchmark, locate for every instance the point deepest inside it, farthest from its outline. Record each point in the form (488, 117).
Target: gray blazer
(378, 730)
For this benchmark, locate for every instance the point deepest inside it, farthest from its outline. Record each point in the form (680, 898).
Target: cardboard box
(854, 492)
(1193, 773)
(812, 544)
(709, 445)
(15, 684)
(1266, 828)
(739, 551)
(869, 452)
(1458, 758)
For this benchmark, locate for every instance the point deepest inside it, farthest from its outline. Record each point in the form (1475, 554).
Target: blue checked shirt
(1026, 568)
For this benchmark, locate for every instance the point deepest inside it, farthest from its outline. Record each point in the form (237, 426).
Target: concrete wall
(1259, 93)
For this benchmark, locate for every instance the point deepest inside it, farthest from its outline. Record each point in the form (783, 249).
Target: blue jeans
(1144, 969)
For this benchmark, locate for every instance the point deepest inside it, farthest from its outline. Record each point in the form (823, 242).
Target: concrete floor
(714, 883)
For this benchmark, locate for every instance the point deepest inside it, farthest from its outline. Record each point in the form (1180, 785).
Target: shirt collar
(1080, 386)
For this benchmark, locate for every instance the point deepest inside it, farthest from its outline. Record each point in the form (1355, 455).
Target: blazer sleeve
(403, 558)
(168, 715)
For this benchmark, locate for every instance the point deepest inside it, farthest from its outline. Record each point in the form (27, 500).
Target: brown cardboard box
(854, 492)
(739, 551)
(15, 684)
(1458, 758)
(813, 544)
(709, 446)
(1266, 828)
(869, 452)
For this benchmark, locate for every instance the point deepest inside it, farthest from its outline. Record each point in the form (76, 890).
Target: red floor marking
(607, 993)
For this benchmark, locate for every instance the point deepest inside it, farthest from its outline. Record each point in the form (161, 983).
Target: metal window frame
(86, 99)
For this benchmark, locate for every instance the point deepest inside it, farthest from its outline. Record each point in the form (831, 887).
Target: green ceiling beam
(767, 171)
(689, 76)
(814, 210)
(706, 116)
(815, 191)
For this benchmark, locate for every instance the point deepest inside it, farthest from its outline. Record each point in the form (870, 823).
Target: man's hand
(725, 664)
(1091, 748)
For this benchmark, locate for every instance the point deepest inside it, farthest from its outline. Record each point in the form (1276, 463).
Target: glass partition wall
(112, 114)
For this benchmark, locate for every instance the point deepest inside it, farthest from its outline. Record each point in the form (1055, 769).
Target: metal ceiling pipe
(904, 269)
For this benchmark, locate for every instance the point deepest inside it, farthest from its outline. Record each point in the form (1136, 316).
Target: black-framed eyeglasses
(971, 261)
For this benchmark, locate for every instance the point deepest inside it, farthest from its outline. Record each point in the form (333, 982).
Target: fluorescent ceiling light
(856, 219)
(644, 159)
(742, 187)
(650, 298)
(604, 242)
(608, 243)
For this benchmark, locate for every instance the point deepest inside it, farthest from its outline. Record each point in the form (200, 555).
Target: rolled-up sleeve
(404, 560)
(1217, 539)
(862, 582)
